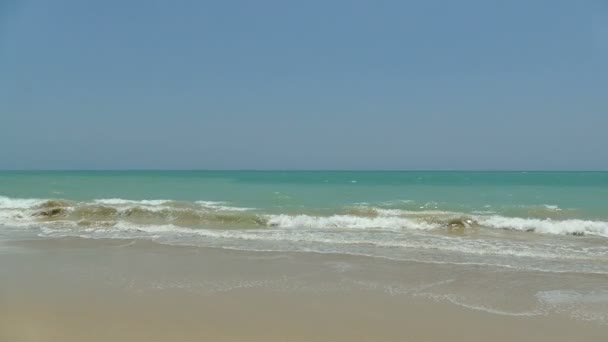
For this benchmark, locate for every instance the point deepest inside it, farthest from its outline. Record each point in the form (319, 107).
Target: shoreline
(75, 289)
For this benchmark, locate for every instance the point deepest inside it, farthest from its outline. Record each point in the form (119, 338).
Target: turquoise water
(586, 192)
(550, 221)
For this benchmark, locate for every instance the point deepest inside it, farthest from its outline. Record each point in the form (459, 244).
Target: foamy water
(554, 222)
(426, 235)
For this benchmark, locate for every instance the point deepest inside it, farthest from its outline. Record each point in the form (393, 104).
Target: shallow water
(536, 221)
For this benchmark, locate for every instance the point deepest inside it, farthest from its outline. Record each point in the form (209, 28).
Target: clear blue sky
(310, 84)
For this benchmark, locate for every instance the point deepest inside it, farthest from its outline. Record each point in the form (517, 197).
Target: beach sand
(126, 290)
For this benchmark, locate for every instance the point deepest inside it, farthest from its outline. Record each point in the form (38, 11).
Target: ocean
(543, 221)
(484, 255)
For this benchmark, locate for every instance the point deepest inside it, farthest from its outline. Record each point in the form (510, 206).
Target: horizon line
(300, 170)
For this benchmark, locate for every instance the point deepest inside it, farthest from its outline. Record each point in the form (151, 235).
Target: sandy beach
(125, 290)
(275, 171)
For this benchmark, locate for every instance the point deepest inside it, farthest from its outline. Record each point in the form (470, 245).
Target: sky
(393, 85)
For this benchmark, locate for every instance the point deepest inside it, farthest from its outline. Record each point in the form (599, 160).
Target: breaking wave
(547, 226)
(427, 235)
(347, 222)
(210, 214)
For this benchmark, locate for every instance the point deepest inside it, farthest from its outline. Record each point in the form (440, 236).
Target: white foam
(386, 203)
(389, 212)
(221, 206)
(346, 221)
(160, 228)
(376, 244)
(391, 219)
(120, 201)
(453, 244)
(164, 204)
(415, 213)
(547, 226)
(19, 203)
(552, 207)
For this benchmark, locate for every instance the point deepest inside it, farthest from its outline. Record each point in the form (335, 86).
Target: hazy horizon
(300, 170)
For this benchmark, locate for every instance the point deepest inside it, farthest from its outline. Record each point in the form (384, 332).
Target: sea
(530, 221)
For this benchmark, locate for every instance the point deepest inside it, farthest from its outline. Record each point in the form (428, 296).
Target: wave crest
(347, 221)
(221, 215)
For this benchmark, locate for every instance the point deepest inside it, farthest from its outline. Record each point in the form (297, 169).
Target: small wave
(20, 211)
(311, 237)
(19, 203)
(222, 206)
(120, 201)
(547, 226)
(161, 204)
(541, 211)
(30, 203)
(372, 211)
(552, 207)
(346, 221)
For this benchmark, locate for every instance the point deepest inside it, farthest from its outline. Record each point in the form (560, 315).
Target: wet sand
(122, 290)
